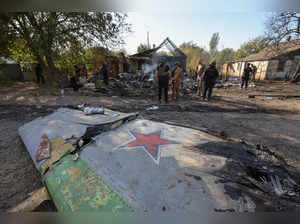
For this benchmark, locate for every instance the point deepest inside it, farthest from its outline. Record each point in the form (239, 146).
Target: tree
(50, 34)
(194, 53)
(117, 53)
(282, 26)
(213, 45)
(143, 47)
(251, 47)
(224, 56)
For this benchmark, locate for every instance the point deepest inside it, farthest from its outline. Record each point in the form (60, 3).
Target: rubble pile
(125, 84)
(260, 171)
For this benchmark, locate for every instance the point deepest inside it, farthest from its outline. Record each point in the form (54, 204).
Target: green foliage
(47, 36)
(194, 53)
(143, 47)
(117, 53)
(213, 45)
(224, 56)
(21, 53)
(164, 53)
(251, 47)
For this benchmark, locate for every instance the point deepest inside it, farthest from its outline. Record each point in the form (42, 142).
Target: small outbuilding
(148, 60)
(273, 62)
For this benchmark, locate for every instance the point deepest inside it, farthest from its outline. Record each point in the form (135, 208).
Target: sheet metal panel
(156, 168)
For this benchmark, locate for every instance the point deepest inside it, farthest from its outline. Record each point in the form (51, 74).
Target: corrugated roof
(271, 52)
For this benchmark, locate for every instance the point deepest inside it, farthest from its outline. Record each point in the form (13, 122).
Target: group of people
(206, 80)
(163, 75)
(206, 77)
(81, 72)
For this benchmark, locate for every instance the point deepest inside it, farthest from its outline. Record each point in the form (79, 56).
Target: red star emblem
(150, 143)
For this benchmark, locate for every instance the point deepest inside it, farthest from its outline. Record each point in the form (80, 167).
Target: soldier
(254, 70)
(176, 81)
(246, 76)
(209, 79)
(200, 72)
(162, 77)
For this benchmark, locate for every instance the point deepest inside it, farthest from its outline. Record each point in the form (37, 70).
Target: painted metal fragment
(74, 186)
(43, 151)
(59, 148)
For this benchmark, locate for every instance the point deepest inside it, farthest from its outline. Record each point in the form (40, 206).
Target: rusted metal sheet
(74, 186)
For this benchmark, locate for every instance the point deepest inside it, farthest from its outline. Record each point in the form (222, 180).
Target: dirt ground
(274, 122)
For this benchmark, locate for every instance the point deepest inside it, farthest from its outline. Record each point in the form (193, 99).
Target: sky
(236, 21)
(234, 28)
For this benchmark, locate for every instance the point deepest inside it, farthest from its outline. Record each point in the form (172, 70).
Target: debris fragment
(43, 151)
(153, 108)
(93, 110)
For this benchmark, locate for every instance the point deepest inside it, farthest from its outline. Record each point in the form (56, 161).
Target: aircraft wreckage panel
(152, 166)
(62, 123)
(155, 167)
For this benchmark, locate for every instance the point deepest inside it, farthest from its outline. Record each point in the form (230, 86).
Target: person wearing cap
(246, 76)
(209, 79)
(176, 81)
(162, 77)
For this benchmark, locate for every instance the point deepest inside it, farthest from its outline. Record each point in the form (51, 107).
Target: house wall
(238, 67)
(289, 67)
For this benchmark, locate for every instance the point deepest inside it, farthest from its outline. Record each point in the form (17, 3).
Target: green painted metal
(75, 187)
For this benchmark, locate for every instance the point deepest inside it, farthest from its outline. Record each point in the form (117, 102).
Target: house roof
(274, 51)
(168, 43)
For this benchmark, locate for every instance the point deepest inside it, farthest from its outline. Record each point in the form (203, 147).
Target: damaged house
(147, 61)
(273, 62)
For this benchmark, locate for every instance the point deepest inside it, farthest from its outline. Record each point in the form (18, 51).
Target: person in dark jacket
(209, 79)
(75, 78)
(39, 74)
(104, 72)
(246, 76)
(162, 77)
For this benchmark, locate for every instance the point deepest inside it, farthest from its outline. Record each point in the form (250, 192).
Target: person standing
(39, 74)
(176, 81)
(209, 79)
(104, 72)
(162, 77)
(246, 76)
(254, 71)
(84, 72)
(200, 72)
